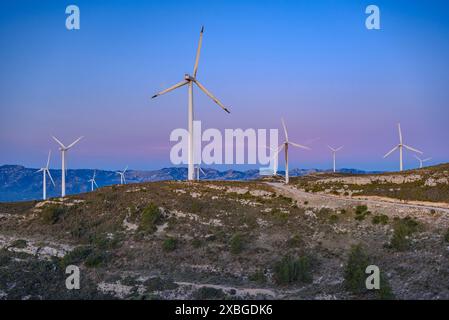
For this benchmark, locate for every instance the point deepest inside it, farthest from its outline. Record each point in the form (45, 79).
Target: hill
(224, 239)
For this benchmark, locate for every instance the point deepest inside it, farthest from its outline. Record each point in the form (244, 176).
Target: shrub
(76, 256)
(333, 218)
(169, 244)
(403, 229)
(361, 212)
(96, 259)
(196, 243)
(295, 241)
(258, 276)
(19, 243)
(380, 219)
(51, 214)
(209, 293)
(289, 270)
(151, 216)
(354, 273)
(236, 243)
(446, 236)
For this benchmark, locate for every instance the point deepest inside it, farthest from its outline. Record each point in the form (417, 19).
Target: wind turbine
(45, 171)
(285, 145)
(189, 80)
(334, 151)
(198, 172)
(122, 175)
(93, 182)
(400, 146)
(63, 150)
(421, 161)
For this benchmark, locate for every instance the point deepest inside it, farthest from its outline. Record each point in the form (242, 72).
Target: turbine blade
(59, 142)
(400, 133)
(412, 149)
(285, 129)
(125, 169)
(279, 149)
(48, 159)
(390, 152)
(417, 157)
(298, 145)
(176, 86)
(51, 178)
(210, 95)
(332, 149)
(198, 51)
(40, 170)
(74, 142)
(202, 171)
(427, 159)
(338, 149)
(95, 183)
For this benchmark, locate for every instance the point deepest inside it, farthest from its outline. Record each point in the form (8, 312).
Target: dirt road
(336, 202)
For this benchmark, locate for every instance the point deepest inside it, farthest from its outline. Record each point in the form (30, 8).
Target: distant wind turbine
(334, 151)
(190, 80)
(93, 182)
(275, 158)
(45, 171)
(122, 175)
(63, 150)
(199, 170)
(421, 161)
(285, 145)
(400, 146)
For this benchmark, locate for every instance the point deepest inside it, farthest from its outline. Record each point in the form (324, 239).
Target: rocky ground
(230, 240)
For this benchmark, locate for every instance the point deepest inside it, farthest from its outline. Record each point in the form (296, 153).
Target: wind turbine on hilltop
(45, 171)
(93, 182)
(334, 151)
(285, 145)
(122, 175)
(63, 150)
(189, 80)
(400, 146)
(421, 161)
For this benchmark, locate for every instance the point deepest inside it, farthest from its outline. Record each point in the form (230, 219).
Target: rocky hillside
(217, 240)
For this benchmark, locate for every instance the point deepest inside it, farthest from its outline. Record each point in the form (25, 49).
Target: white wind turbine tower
(199, 170)
(421, 161)
(122, 175)
(400, 146)
(63, 150)
(45, 171)
(285, 145)
(93, 182)
(189, 80)
(334, 151)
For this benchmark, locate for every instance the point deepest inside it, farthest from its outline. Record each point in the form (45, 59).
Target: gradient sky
(313, 62)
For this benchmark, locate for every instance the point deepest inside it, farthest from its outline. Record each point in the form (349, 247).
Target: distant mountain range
(18, 183)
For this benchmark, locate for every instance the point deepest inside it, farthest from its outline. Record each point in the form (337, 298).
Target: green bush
(403, 229)
(19, 243)
(258, 276)
(295, 241)
(354, 272)
(96, 259)
(290, 270)
(361, 212)
(52, 213)
(169, 244)
(76, 256)
(236, 243)
(446, 236)
(196, 243)
(380, 219)
(151, 216)
(333, 218)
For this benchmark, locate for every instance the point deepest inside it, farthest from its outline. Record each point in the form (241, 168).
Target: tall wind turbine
(285, 145)
(93, 182)
(421, 161)
(122, 175)
(334, 151)
(63, 150)
(189, 80)
(45, 171)
(400, 146)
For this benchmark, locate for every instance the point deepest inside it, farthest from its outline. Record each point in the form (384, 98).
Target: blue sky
(312, 62)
